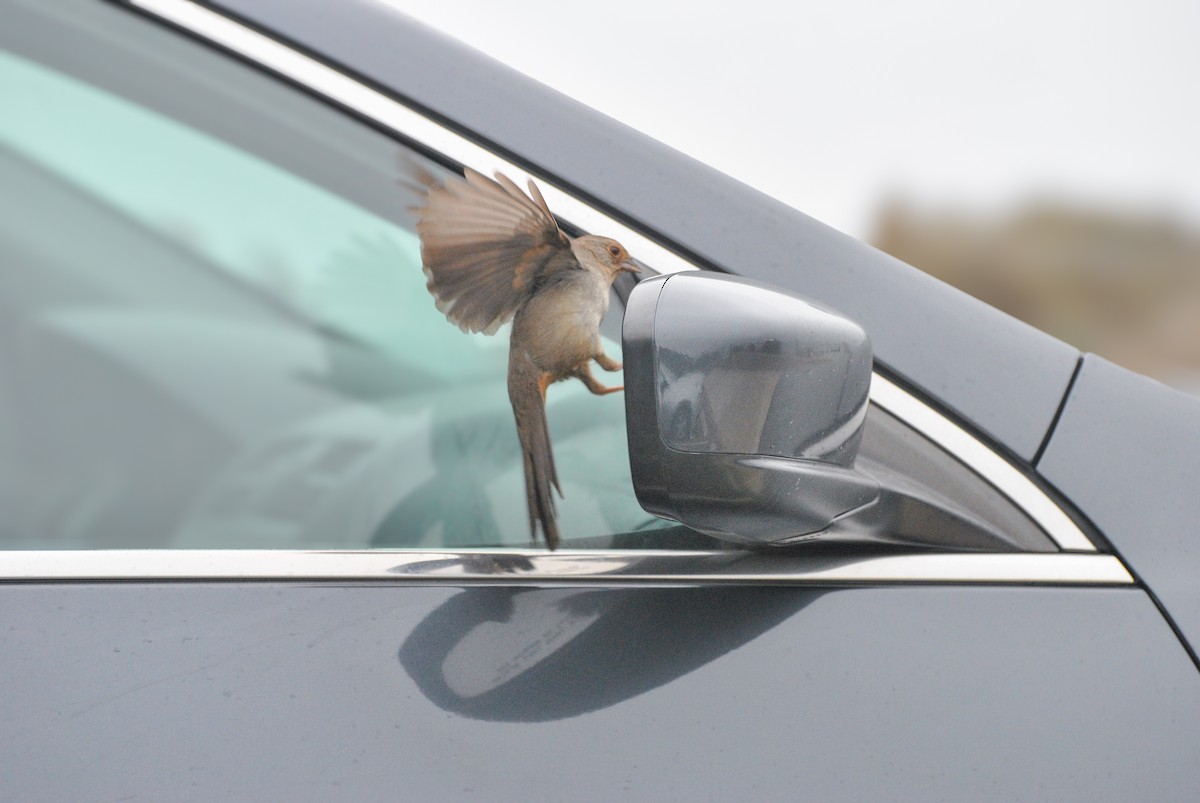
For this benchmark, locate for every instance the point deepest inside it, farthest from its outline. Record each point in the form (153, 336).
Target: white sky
(831, 107)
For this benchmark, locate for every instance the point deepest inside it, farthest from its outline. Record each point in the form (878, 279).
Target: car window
(214, 329)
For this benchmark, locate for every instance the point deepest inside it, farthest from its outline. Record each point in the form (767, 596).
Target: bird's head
(607, 256)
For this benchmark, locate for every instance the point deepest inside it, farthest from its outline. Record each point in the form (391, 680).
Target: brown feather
(536, 194)
(484, 246)
(526, 392)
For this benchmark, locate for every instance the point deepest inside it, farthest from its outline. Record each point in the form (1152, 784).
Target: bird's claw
(608, 363)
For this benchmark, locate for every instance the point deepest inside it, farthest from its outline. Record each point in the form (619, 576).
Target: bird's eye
(615, 250)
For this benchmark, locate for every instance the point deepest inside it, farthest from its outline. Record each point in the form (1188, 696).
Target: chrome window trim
(410, 124)
(969, 450)
(614, 567)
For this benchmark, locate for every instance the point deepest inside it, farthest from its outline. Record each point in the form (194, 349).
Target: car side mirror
(745, 407)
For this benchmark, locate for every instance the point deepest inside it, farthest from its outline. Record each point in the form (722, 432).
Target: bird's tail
(527, 392)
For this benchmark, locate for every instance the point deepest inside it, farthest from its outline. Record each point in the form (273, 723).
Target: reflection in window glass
(214, 330)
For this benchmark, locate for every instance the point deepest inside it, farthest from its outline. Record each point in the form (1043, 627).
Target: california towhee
(490, 254)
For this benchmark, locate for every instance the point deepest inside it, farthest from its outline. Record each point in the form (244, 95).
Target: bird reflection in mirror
(492, 254)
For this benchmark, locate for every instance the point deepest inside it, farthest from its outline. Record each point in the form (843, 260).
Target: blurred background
(1038, 154)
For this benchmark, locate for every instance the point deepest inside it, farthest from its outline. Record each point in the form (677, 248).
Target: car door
(264, 530)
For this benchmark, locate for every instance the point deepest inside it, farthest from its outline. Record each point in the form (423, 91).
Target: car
(850, 534)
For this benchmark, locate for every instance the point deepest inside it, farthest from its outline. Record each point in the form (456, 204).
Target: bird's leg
(606, 362)
(584, 373)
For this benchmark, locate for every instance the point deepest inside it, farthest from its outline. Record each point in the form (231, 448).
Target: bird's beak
(629, 266)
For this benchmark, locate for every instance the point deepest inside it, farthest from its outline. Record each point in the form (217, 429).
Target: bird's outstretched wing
(484, 244)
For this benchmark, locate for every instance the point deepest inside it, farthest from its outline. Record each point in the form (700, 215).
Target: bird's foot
(607, 363)
(596, 387)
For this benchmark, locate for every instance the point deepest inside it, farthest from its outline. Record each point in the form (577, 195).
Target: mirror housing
(745, 406)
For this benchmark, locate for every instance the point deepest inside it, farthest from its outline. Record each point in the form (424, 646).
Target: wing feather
(484, 247)
(537, 196)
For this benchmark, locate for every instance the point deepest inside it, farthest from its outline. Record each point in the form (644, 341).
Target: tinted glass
(214, 330)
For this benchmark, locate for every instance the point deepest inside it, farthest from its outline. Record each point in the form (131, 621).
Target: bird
(493, 254)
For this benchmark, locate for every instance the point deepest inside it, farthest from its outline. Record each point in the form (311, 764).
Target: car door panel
(370, 691)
